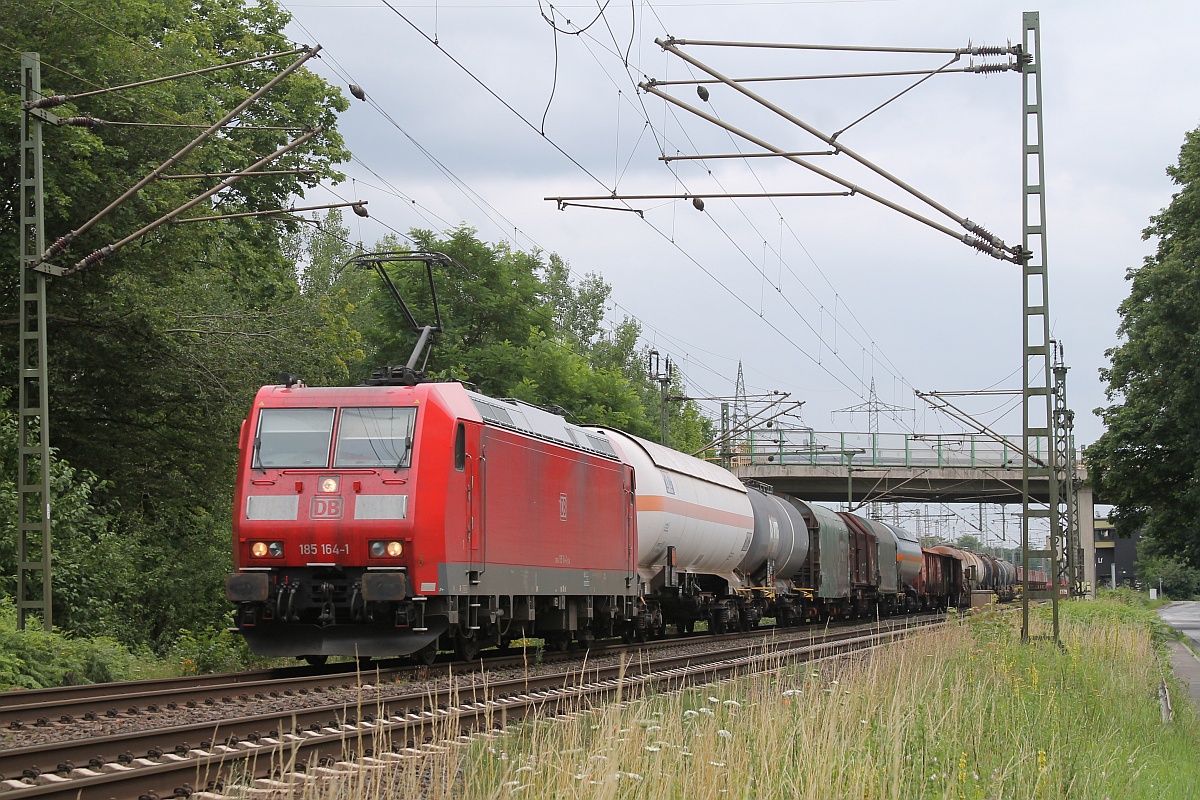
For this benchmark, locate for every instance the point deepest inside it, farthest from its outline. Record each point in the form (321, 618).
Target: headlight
(389, 549)
(329, 485)
(265, 549)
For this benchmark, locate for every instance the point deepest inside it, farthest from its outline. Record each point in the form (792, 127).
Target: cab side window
(460, 448)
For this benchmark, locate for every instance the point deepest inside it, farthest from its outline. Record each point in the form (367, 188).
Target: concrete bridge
(887, 467)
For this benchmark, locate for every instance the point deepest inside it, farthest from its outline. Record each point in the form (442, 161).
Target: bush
(35, 659)
(210, 650)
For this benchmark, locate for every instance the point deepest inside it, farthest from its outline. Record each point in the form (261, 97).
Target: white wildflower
(689, 714)
(716, 763)
(733, 704)
(724, 734)
(715, 700)
(652, 748)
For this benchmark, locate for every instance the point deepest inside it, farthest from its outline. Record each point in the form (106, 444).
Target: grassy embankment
(967, 713)
(34, 658)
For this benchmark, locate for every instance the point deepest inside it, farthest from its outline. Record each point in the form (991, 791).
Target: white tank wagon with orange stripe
(697, 508)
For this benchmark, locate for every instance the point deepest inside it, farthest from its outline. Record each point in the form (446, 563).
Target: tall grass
(964, 713)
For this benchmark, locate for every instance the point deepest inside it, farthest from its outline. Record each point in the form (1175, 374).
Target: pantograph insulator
(990, 68)
(983, 246)
(990, 50)
(82, 122)
(983, 233)
(49, 101)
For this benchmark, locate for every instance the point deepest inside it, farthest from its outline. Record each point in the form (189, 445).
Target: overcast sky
(816, 296)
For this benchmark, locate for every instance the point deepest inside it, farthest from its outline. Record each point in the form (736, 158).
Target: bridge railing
(801, 446)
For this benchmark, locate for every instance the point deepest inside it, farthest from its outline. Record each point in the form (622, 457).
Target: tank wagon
(403, 519)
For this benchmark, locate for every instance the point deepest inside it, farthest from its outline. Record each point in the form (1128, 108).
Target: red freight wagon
(939, 582)
(864, 561)
(373, 520)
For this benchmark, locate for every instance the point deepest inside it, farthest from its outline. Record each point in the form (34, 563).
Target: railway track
(334, 728)
(63, 706)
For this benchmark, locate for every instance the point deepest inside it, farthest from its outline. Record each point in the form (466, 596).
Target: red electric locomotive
(362, 519)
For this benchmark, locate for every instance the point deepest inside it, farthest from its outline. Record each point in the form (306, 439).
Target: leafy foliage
(34, 659)
(210, 650)
(1146, 462)
(155, 352)
(1179, 581)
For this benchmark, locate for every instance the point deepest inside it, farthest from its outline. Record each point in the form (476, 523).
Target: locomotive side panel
(550, 522)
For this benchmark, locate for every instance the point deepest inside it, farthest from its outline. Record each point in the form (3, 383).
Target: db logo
(326, 508)
(562, 506)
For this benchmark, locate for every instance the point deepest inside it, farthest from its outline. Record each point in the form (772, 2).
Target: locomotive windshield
(375, 437)
(293, 438)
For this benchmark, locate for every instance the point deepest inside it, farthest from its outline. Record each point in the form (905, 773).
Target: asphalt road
(1184, 617)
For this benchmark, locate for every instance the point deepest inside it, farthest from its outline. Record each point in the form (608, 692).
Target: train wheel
(426, 655)
(466, 646)
(315, 661)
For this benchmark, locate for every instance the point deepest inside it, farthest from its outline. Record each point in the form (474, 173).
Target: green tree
(1145, 464)
(155, 352)
(1179, 581)
(969, 541)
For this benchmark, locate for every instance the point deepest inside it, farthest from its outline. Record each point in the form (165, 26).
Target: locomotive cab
(323, 530)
